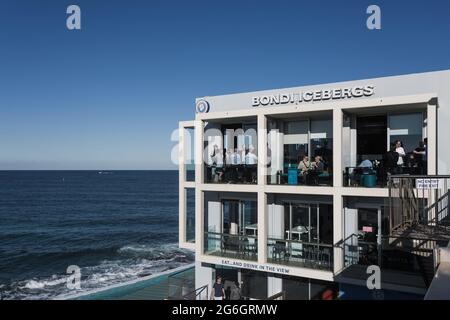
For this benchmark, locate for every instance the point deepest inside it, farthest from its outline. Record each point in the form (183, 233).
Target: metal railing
(418, 199)
(394, 253)
(197, 294)
(231, 246)
(301, 254)
(367, 177)
(242, 173)
(180, 283)
(278, 296)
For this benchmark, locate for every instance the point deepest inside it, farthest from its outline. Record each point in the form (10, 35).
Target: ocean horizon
(116, 225)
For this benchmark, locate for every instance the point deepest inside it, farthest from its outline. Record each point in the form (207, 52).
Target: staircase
(419, 219)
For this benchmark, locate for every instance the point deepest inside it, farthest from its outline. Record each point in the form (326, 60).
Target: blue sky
(108, 96)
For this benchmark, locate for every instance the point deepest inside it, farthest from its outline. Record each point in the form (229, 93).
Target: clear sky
(108, 96)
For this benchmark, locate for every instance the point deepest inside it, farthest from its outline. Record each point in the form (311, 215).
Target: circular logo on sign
(202, 106)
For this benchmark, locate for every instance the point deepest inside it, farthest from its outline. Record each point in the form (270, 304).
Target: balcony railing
(300, 254)
(375, 176)
(243, 173)
(293, 176)
(419, 200)
(231, 246)
(367, 177)
(394, 254)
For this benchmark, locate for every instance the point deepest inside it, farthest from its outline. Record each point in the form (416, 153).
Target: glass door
(248, 219)
(231, 214)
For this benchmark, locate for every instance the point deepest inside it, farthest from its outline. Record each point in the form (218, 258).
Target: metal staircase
(419, 219)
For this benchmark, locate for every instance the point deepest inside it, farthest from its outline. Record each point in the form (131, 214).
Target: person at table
(318, 164)
(235, 157)
(214, 152)
(218, 160)
(251, 158)
(305, 165)
(401, 154)
(420, 155)
(228, 153)
(390, 160)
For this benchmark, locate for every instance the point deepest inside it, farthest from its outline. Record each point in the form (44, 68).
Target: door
(231, 215)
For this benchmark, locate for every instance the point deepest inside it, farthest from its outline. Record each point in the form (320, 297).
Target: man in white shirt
(251, 157)
(401, 152)
(236, 157)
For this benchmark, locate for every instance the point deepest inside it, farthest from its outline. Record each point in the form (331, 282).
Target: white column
(337, 147)
(199, 196)
(204, 276)
(337, 231)
(274, 285)
(262, 181)
(181, 190)
(262, 227)
(432, 139)
(262, 150)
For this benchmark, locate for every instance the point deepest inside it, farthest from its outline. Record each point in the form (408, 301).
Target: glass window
(190, 215)
(407, 128)
(295, 142)
(189, 151)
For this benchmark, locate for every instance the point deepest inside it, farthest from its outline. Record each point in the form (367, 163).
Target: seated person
(318, 164)
(306, 168)
(366, 163)
(305, 165)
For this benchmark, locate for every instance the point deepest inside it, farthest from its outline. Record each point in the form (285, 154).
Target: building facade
(291, 186)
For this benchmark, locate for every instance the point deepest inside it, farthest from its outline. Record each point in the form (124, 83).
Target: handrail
(281, 294)
(417, 176)
(302, 242)
(197, 292)
(231, 235)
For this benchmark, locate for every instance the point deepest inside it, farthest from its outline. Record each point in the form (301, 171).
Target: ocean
(115, 225)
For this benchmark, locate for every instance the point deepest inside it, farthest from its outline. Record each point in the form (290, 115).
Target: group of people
(231, 292)
(228, 165)
(305, 166)
(396, 159)
(310, 170)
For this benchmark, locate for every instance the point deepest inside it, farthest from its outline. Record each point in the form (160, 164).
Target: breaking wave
(130, 263)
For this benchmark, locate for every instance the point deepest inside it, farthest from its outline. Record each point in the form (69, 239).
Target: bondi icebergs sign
(313, 95)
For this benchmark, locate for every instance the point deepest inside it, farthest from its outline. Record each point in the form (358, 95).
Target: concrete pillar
(199, 196)
(204, 276)
(337, 147)
(274, 285)
(432, 155)
(262, 150)
(262, 226)
(181, 190)
(338, 232)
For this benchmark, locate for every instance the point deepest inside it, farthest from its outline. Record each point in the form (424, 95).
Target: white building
(291, 187)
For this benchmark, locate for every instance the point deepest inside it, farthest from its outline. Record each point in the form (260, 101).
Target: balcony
(242, 174)
(292, 175)
(300, 254)
(244, 247)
